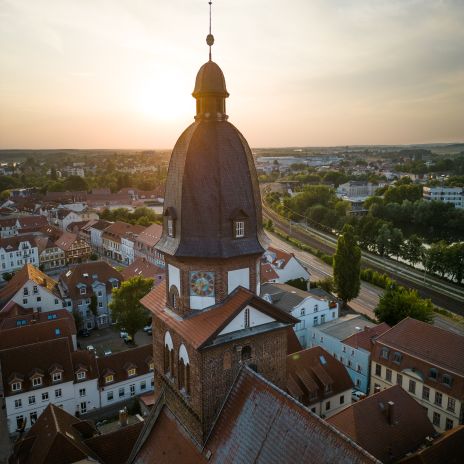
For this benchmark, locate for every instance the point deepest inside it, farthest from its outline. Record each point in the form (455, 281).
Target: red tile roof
(261, 424)
(66, 241)
(204, 325)
(150, 235)
(427, 342)
(366, 338)
(143, 267)
(281, 255)
(28, 272)
(267, 273)
(388, 434)
(310, 371)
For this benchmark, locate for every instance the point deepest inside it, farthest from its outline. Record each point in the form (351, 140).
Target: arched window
(174, 297)
(184, 370)
(168, 355)
(246, 353)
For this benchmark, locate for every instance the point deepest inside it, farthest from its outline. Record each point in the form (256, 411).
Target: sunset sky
(120, 73)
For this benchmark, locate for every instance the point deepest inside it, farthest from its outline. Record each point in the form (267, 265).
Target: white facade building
(453, 195)
(285, 265)
(15, 252)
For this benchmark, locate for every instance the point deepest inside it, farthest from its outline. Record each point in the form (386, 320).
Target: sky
(120, 73)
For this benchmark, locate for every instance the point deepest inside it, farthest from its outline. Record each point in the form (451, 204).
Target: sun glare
(160, 99)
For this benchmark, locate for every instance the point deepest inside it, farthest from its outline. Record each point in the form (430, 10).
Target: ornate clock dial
(202, 283)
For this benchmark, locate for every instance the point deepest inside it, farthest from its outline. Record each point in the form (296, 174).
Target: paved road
(369, 294)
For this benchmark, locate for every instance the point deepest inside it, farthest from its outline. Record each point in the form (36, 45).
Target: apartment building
(453, 195)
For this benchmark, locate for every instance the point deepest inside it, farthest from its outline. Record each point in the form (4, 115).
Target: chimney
(123, 416)
(390, 411)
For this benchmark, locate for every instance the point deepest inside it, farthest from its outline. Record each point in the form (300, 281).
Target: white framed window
(109, 396)
(246, 322)
(170, 227)
(143, 385)
(239, 229)
(16, 386)
(122, 392)
(45, 396)
(31, 399)
(81, 375)
(57, 377)
(132, 390)
(83, 291)
(109, 378)
(18, 403)
(82, 392)
(58, 393)
(131, 372)
(37, 381)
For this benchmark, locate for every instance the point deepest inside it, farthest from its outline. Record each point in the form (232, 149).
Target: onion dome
(212, 205)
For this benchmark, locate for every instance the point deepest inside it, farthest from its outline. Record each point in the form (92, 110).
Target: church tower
(208, 318)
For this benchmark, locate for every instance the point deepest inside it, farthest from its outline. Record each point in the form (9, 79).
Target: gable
(238, 322)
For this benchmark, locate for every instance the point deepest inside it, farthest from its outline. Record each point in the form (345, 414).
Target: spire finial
(210, 37)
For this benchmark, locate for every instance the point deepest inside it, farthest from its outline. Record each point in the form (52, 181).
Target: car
(90, 348)
(108, 352)
(147, 328)
(128, 339)
(123, 333)
(84, 333)
(357, 395)
(149, 331)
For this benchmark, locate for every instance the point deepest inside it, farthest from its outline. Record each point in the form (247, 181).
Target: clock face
(201, 283)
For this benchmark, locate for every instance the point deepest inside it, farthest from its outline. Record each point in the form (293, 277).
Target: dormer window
(170, 227)
(16, 386)
(131, 372)
(83, 291)
(80, 375)
(57, 376)
(170, 221)
(109, 378)
(239, 228)
(37, 381)
(151, 366)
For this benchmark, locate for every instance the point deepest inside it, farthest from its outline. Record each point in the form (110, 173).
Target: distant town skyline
(98, 74)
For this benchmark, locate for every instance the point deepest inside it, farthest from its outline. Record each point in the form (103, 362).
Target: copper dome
(210, 81)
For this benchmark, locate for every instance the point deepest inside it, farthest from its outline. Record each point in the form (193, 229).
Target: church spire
(210, 36)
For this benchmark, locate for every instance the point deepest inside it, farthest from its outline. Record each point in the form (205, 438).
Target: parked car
(128, 339)
(147, 328)
(149, 331)
(123, 333)
(357, 395)
(91, 348)
(84, 333)
(108, 352)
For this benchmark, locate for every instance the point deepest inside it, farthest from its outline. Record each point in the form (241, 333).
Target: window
(302, 312)
(31, 399)
(433, 374)
(451, 404)
(143, 385)
(358, 383)
(121, 392)
(384, 353)
(45, 396)
(151, 366)
(350, 364)
(37, 381)
(131, 372)
(322, 318)
(397, 357)
(58, 393)
(20, 423)
(25, 301)
(449, 424)
(56, 377)
(33, 416)
(109, 396)
(342, 399)
(447, 380)
(57, 332)
(109, 378)
(316, 308)
(344, 349)
(425, 393)
(100, 304)
(18, 403)
(438, 398)
(327, 405)
(436, 419)
(315, 320)
(39, 299)
(81, 375)
(388, 375)
(56, 302)
(247, 318)
(82, 392)
(16, 386)
(83, 290)
(25, 291)
(246, 353)
(359, 368)
(132, 389)
(378, 370)
(239, 229)
(399, 379)
(412, 386)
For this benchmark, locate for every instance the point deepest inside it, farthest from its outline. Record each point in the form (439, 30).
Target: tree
(347, 265)
(399, 302)
(7, 276)
(125, 305)
(383, 239)
(412, 250)
(396, 240)
(300, 283)
(78, 320)
(94, 307)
